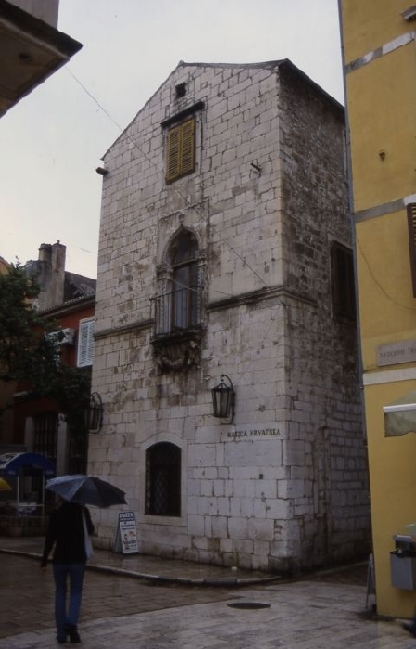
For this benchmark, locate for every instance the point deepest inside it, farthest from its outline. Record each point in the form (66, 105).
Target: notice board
(126, 538)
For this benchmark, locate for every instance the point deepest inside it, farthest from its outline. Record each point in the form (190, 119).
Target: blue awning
(11, 463)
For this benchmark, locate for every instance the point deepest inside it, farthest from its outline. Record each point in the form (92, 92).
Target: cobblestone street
(27, 596)
(326, 610)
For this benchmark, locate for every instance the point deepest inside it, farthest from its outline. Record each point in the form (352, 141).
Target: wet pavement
(134, 601)
(148, 567)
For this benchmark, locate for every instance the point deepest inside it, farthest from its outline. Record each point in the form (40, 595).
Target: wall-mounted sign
(401, 352)
(251, 432)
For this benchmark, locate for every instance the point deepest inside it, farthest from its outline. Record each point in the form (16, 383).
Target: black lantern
(223, 398)
(94, 413)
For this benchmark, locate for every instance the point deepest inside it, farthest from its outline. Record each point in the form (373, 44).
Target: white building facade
(225, 249)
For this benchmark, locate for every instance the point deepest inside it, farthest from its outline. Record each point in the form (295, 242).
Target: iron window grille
(45, 442)
(163, 480)
(46, 435)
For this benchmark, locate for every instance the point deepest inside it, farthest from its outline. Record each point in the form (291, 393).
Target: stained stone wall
(284, 484)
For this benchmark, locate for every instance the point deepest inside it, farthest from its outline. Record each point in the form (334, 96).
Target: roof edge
(262, 65)
(268, 65)
(36, 27)
(69, 306)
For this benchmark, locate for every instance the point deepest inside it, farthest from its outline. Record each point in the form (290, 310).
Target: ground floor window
(45, 434)
(78, 449)
(45, 442)
(163, 480)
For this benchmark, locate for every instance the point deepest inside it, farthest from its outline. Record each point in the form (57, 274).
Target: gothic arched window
(178, 307)
(184, 281)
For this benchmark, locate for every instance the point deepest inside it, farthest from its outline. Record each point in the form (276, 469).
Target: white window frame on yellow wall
(85, 351)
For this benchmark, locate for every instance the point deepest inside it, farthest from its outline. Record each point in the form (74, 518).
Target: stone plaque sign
(402, 352)
(252, 432)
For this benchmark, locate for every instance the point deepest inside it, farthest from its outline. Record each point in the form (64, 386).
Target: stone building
(225, 252)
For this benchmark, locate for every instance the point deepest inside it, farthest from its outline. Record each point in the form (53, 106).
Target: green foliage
(25, 353)
(70, 388)
(29, 357)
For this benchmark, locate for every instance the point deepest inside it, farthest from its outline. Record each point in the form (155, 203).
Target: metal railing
(177, 311)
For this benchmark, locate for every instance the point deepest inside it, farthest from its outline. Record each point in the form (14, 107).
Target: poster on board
(126, 539)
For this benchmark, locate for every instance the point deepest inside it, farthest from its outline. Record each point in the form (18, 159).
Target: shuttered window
(343, 282)
(411, 217)
(86, 342)
(180, 152)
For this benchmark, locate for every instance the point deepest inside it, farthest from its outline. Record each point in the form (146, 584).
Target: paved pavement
(145, 566)
(193, 606)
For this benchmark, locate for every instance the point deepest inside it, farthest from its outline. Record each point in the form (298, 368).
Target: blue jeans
(75, 571)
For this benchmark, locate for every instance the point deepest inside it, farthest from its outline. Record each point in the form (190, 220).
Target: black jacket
(65, 531)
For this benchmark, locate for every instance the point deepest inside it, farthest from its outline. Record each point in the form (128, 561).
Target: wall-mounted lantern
(223, 398)
(94, 413)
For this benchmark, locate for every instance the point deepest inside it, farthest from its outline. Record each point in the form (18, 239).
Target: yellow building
(379, 51)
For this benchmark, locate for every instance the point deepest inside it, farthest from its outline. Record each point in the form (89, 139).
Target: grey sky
(51, 142)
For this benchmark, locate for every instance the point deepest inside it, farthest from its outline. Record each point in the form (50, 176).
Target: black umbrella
(86, 490)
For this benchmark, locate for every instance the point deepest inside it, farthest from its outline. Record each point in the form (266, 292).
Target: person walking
(68, 529)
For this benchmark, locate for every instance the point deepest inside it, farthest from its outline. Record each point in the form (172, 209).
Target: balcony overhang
(30, 51)
(178, 350)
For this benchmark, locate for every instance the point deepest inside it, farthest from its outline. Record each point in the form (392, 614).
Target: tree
(29, 356)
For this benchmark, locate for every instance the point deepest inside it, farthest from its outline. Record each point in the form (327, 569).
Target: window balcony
(177, 311)
(178, 329)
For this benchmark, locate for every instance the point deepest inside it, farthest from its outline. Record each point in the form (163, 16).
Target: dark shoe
(60, 640)
(410, 627)
(72, 631)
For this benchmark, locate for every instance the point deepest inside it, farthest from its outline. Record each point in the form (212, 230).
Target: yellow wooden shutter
(173, 153)
(180, 152)
(188, 147)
